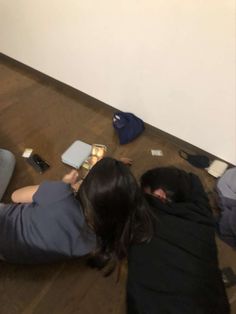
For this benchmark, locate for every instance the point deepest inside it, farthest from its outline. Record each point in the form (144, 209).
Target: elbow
(14, 197)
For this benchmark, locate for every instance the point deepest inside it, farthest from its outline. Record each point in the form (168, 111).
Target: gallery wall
(170, 62)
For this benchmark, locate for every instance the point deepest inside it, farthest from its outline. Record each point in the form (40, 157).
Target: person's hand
(126, 161)
(76, 185)
(71, 177)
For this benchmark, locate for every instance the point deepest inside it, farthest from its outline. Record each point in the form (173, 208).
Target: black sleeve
(198, 194)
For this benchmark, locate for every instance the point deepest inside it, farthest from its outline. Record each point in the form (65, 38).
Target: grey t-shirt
(50, 228)
(227, 184)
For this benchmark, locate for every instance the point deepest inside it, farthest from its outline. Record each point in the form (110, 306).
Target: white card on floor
(217, 168)
(27, 152)
(156, 152)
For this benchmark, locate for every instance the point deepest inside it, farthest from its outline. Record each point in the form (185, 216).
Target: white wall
(171, 62)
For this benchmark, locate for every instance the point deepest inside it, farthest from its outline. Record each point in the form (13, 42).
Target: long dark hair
(175, 182)
(115, 207)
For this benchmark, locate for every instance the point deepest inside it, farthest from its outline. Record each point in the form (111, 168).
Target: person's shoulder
(52, 191)
(59, 185)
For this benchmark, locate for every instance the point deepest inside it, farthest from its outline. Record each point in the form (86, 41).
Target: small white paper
(156, 152)
(217, 168)
(27, 152)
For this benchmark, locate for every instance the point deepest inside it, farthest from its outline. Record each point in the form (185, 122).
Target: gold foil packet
(98, 152)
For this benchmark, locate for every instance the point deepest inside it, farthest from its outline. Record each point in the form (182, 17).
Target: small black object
(38, 163)
(199, 161)
(229, 277)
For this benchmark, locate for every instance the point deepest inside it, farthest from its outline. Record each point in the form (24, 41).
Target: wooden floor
(40, 113)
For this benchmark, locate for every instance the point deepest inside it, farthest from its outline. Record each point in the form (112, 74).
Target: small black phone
(38, 163)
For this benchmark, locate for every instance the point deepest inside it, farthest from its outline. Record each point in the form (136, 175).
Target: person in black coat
(177, 271)
(165, 228)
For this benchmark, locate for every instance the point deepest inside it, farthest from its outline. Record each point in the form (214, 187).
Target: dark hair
(175, 182)
(115, 207)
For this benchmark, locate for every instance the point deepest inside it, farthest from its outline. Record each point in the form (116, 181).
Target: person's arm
(25, 194)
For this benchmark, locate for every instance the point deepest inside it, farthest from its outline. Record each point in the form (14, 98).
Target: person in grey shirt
(7, 165)
(226, 190)
(45, 224)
